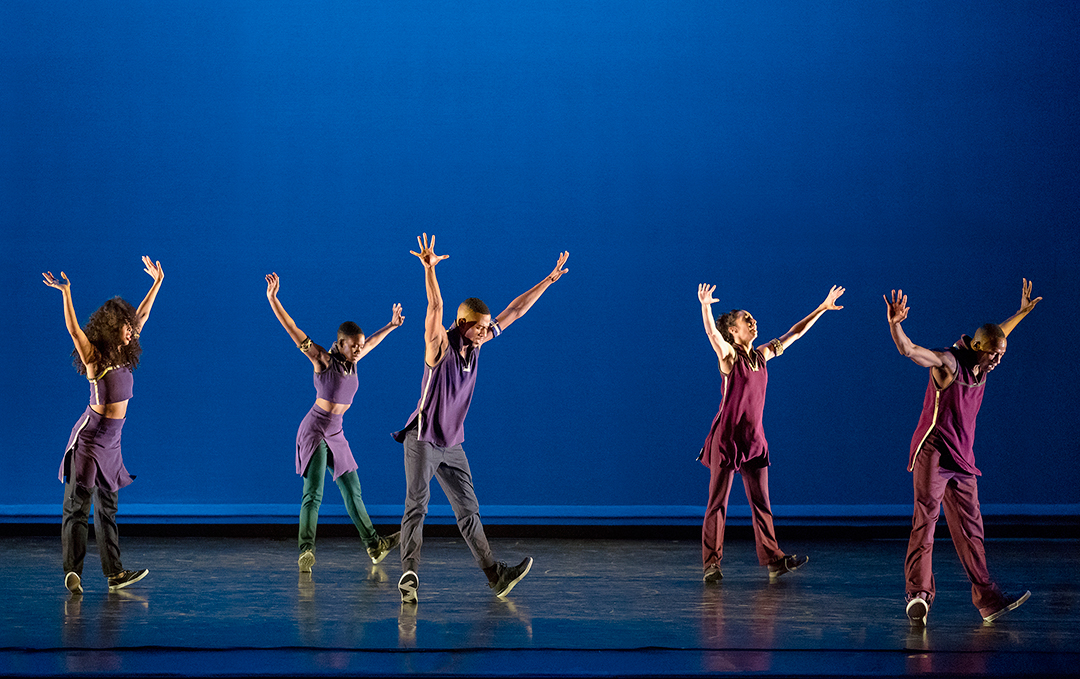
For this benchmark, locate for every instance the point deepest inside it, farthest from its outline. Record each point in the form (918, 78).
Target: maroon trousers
(756, 483)
(959, 494)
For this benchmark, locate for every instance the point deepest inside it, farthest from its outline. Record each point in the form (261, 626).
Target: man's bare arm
(523, 302)
(434, 333)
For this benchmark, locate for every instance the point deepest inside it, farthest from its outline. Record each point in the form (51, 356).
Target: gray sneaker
(508, 576)
(407, 585)
(73, 582)
(380, 549)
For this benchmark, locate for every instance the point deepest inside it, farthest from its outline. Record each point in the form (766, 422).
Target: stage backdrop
(771, 148)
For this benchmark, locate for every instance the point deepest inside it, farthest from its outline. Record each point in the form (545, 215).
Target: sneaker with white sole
(124, 578)
(378, 551)
(407, 585)
(306, 561)
(1009, 603)
(508, 576)
(713, 574)
(786, 564)
(918, 609)
(73, 582)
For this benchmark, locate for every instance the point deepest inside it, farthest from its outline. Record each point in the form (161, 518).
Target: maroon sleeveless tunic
(947, 422)
(737, 437)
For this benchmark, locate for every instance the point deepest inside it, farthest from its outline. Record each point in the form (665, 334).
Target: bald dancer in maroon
(942, 459)
(736, 441)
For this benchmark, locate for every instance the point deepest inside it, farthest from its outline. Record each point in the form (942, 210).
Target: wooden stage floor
(229, 606)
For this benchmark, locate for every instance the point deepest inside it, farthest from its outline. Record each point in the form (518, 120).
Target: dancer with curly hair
(106, 351)
(320, 441)
(736, 441)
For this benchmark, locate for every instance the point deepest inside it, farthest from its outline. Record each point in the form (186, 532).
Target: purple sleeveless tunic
(737, 438)
(337, 384)
(446, 391)
(92, 457)
(947, 422)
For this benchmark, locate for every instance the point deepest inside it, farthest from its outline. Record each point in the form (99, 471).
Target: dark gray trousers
(77, 501)
(451, 468)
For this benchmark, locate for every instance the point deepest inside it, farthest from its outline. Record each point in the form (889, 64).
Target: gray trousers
(73, 531)
(451, 467)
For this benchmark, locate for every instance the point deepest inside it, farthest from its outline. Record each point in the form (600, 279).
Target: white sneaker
(73, 582)
(917, 611)
(407, 585)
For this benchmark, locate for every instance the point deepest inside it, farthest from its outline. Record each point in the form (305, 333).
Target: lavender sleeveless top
(947, 422)
(446, 391)
(112, 386)
(737, 437)
(338, 382)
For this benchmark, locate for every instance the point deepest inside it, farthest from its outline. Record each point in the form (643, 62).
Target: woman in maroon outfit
(736, 441)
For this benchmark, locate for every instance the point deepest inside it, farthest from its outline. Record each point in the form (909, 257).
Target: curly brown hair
(724, 323)
(104, 330)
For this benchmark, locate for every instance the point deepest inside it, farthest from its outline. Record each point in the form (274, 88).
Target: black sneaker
(508, 576)
(73, 582)
(788, 563)
(1009, 603)
(918, 608)
(408, 585)
(713, 574)
(380, 549)
(124, 578)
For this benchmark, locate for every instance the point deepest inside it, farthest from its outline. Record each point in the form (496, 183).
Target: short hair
(724, 323)
(988, 332)
(349, 329)
(476, 305)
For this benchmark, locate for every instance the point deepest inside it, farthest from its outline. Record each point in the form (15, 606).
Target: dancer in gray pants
(436, 429)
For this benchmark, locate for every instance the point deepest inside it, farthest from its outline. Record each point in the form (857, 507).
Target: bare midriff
(113, 411)
(333, 408)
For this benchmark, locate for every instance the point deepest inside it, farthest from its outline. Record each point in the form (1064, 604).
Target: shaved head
(988, 338)
(473, 309)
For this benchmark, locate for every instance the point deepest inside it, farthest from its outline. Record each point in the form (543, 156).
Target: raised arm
(158, 274)
(523, 302)
(725, 353)
(1026, 305)
(313, 351)
(373, 340)
(82, 345)
(434, 333)
(939, 360)
(771, 350)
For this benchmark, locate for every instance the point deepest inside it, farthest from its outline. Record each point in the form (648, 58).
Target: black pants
(77, 501)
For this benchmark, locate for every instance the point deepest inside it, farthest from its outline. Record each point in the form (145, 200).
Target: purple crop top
(112, 386)
(338, 383)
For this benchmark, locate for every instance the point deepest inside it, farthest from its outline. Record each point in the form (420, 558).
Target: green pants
(349, 484)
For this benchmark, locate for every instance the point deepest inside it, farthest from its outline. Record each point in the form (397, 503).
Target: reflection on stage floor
(589, 607)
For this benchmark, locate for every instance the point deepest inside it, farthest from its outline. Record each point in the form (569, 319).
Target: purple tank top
(947, 422)
(112, 386)
(338, 382)
(737, 436)
(446, 391)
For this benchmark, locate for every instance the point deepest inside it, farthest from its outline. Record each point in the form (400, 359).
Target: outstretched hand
(705, 293)
(558, 271)
(397, 319)
(272, 285)
(898, 308)
(53, 283)
(1026, 303)
(427, 252)
(830, 300)
(153, 269)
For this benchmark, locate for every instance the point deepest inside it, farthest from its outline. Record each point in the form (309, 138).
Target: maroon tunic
(737, 437)
(947, 423)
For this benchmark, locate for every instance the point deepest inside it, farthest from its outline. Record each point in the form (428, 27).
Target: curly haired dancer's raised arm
(158, 274)
(82, 345)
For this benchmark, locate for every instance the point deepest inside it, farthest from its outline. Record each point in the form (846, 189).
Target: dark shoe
(918, 608)
(786, 564)
(713, 574)
(73, 582)
(306, 561)
(508, 576)
(1009, 603)
(124, 578)
(380, 549)
(408, 585)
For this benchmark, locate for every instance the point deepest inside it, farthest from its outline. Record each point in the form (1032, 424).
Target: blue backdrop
(772, 148)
